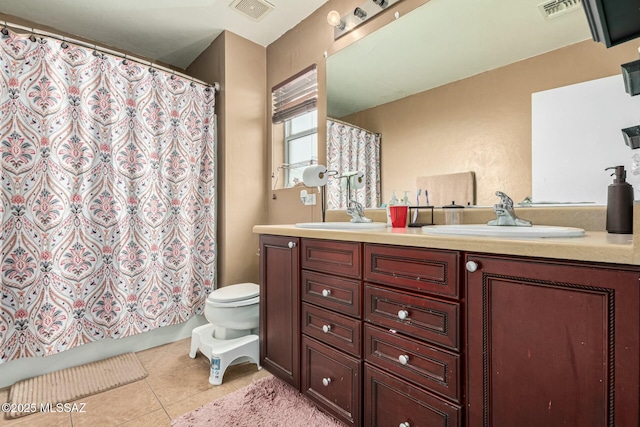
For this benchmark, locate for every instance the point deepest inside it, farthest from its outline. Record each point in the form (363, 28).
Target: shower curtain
(350, 148)
(107, 197)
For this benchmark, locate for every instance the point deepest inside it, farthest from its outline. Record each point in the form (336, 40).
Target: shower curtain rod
(95, 47)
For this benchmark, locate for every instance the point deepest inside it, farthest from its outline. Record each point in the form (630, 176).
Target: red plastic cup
(398, 216)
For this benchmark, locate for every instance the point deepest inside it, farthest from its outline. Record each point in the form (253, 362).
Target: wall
(486, 119)
(482, 123)
(240, 67)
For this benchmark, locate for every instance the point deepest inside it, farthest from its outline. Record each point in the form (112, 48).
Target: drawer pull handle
(326, 328)
(326, 381)
(292, 245)
(403, 314)
(405, 424)
(326, 292)
(472, 266)
(403, 359)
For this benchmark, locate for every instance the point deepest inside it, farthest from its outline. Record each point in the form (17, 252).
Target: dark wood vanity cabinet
(280, 307)
(551, 343)
(383, 335)
(331, 327)
(412, 337)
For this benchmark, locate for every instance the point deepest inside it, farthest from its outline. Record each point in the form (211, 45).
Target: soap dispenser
(620, 203)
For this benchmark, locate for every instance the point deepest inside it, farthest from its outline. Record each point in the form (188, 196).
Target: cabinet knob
(472, 266)
(405, 424)
(326, 292)
(403, 359)
(326, 381)
(292, 245)
(403, 314)
(326, 328)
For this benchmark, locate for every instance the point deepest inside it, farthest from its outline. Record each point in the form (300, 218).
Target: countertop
(595, 246)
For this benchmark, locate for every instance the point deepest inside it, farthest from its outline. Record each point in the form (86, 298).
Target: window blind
(296, 95)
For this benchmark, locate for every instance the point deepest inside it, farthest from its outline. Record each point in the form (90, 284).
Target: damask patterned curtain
(107, 199)
(351, 148)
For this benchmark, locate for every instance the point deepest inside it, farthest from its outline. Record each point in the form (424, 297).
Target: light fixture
(359, 15)
(334, 19)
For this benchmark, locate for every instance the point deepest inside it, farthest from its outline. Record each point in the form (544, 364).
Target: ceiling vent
(253, 9)
(554, 8)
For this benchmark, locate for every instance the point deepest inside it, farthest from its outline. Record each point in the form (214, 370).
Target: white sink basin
(341, 225)
(503, 231)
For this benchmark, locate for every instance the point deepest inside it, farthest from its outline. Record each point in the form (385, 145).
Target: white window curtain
(350, 148)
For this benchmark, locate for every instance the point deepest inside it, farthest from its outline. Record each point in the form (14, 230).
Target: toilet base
(222, 353)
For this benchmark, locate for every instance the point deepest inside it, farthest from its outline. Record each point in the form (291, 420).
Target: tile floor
(176, 384)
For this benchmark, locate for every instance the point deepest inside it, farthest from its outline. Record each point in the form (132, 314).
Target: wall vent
(253, 9)
(554, 8)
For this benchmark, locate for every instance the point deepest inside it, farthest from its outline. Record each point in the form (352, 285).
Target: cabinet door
(413, 269)
(551, 344)
(332, 380)
(332, 257)
(280, 307)
(390, 401)
(331, 328)
(420, 317)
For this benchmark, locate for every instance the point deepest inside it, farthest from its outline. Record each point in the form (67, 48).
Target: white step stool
(222, 353)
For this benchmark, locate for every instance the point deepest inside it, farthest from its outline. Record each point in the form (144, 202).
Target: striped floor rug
(71, 384)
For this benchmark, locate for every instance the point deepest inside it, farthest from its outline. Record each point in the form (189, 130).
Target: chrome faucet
(354, 208)
(506, 214)
(356, 211)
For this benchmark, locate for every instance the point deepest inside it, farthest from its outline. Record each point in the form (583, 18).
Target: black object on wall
(631, 76)
(632, 137)
(613, 21)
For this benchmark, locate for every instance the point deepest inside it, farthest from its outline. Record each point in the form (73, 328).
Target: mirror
(448, 86)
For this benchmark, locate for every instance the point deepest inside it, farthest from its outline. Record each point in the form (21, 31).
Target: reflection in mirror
(438, 86)
(300, 146)
(295, 127)
(349, 149)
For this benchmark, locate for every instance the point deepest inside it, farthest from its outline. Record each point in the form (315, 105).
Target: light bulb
(333, 18)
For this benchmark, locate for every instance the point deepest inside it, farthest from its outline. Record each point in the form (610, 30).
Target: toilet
(231, 337)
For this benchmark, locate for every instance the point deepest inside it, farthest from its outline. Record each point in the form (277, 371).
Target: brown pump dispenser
(620, 203)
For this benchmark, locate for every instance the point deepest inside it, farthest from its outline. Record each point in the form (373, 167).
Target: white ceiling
(441, 42)
(172, 31)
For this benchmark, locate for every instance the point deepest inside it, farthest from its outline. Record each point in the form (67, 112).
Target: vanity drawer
(424, 318)
(390, 401)
(427, 366)
(332, 380)
(332, 257)
(414, 269)
(331, 328)
(341, 295)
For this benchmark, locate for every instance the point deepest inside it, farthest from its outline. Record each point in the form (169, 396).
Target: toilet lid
(234, 293)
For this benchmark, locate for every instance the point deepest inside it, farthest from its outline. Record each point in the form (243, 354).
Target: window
(300, 146)
(295, 120)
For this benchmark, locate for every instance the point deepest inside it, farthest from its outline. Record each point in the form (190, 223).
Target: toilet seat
(239, 295)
